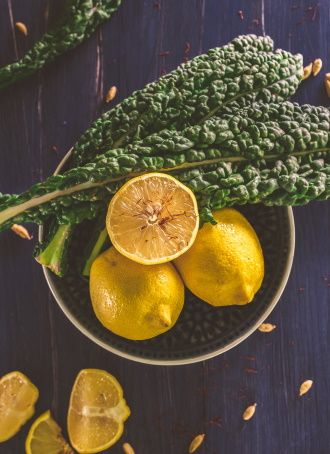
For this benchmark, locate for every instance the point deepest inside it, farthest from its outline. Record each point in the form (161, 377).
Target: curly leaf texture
(259, 135)
(246, 67)
(80, 21)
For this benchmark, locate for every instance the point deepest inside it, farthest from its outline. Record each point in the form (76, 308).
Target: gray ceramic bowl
(202, 331)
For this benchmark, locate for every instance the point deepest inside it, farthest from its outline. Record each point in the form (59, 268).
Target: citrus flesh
(132, 300)
(45, 436)
(17, 398)
(225, 265)
(97, 411)
(152, 219)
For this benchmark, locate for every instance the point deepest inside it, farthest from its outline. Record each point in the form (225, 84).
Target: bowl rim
(174, 362)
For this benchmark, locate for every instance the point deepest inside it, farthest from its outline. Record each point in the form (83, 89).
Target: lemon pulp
(153, 218)
(17, 398)
(45, 437)
(97, 411)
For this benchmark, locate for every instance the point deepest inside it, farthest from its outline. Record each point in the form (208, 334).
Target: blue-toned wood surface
(40, 118)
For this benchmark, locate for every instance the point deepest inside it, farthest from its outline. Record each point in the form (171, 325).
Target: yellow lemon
(225, 265)
(97, 411)
(133, 300)
(152, 219)
(17, 398)
(45, 436)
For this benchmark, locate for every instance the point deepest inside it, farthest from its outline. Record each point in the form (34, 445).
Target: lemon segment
(152, 219)
(97, 411)
(225, 265)
(45, 436)
(133, 300)
(17, 398)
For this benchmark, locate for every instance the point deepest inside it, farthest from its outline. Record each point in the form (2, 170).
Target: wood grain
(41, 117)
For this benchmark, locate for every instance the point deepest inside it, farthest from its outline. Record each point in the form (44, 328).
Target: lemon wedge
(153, 219)
(45, 436)
(97, 411)
(17, 398)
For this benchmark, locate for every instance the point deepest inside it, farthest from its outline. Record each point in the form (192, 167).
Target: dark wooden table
(40, 118)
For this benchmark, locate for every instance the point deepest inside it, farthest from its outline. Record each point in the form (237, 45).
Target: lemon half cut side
(153, 219)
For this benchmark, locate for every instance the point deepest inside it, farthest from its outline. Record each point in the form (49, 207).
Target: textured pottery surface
(202, 330)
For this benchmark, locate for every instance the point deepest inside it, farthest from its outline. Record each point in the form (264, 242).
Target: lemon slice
(153, 219)
(17, 398)
(97, 411)
(45, 437)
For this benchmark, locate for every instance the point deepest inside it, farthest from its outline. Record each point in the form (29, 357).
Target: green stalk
(54, 255)
(97, 247)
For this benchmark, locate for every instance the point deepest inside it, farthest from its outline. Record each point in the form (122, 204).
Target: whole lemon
(132, 300)
(225, 265)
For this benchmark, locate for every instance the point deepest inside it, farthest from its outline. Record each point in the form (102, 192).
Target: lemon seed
(249, 412)
(327, 83)
(22, 28)
(21, 231)
(317, 66)
(307, 71)
(305, 387)
(266, 327)
(111, 94)
(127, 448)
(195, 444)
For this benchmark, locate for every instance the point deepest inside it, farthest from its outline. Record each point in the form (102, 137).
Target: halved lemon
(153, 219)
(17, 398)
(45, 436)
(97, 411)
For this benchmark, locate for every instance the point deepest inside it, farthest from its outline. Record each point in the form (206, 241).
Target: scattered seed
(249, 412)
(240, 14)
(195, 444)
(22, 28)
(307, 71)
(266, 327)
(327, 87)
(305, 387)
(21, 231)
(327, 83)
(127, 448)
(111, 94)
(317, 66)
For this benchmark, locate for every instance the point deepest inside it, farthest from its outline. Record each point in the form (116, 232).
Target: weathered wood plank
(169, 406)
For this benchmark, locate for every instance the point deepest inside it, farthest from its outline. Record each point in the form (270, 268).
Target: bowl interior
(202, 331)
